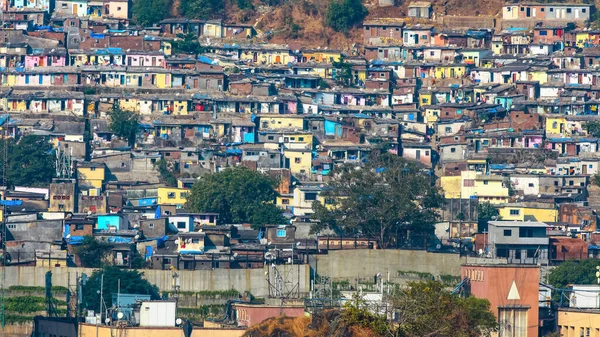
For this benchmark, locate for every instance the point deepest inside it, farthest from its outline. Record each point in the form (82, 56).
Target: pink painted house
(47, 57)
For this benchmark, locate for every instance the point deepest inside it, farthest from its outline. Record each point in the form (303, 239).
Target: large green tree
(486, 212)
(239, 195)
(125, 124)
(149, 12)
(574, 272)
(388, 198)
(30, 161)
(92, 252)
(132, 282)
(342, 15)
(429, 309)
(201, 9)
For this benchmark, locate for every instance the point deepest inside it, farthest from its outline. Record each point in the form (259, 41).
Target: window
(469, 183)
(508, 9)
(64, 6)
(530, 253)
(543, 33)
(513, 321)
(79, 227)
(452, 149)
(551, 9)
(300, 139)
(431, 53)
(171, 195)
(92, 169)
(183, 195)
(167, 261)
(485, 182)
(525, 232)
(151, 225)
(448, 129)
(181, 224)
(297, 160)
(571, 183)
(13, 226)
(118, 8)
(281, 233)
(584, 10)
(542, 9)
(515, 212)
(508, 232)
(522, 9)
(285, 201)
(569, 10)
(310, 196)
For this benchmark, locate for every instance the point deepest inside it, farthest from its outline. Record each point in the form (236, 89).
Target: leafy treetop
(388, 198)
(342, 15)
(239, 195)
(124, 123)
(30, 161)
(132, 282)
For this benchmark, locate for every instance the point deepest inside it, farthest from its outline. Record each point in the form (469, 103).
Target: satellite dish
(68, 236)
(120, 315)
(137, 237)
(178, 321)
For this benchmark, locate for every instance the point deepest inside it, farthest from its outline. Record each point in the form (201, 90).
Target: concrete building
(513, 292)
(521, 242)
(420, 9)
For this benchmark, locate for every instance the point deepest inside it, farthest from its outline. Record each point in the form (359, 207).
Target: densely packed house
(500, 114)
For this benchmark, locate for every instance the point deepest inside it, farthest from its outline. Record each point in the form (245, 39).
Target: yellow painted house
(321, 55)
(432, 115)
(582, 37)
(450, 71)
(523, 211)
(555, 125)
(426, 98)
(299, 161)
(172, 196)
(275, 122)
(497, 47)
(573, 322)
(91, 175)
(487, 188)
(538, 76)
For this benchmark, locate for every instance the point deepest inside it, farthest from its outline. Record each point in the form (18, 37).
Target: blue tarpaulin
(11, 202)
(119, 239)
(76, 240)
(157, 213)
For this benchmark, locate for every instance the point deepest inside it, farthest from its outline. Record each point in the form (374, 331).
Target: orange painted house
(513, 292)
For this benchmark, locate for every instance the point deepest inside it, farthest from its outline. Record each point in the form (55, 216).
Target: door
(418, 155)
(75, 9)
(533, 12)
(576, 13)
(528, 12)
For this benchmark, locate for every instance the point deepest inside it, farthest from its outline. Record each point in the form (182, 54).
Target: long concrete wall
(364, 264)
(252, 280)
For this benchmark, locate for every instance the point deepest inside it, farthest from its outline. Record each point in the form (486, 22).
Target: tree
(388, 198)
(30, 161)
(245, 4)
(149, 12)
(167, 173)
(92, 252)
(428, 309)
(201, 9)
(485, 213)
(593, 128)
(342, 15)
(132, 282)
(239, 195)
(187, 44)
(343, 72)
(124, 123)
(574, 272)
